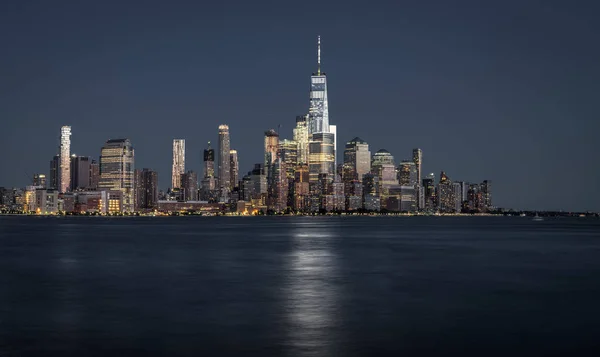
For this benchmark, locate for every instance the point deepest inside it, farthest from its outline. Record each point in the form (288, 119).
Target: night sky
(506, 90)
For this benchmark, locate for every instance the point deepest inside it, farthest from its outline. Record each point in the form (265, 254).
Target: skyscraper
(178, 162)
(418, 160)
(64, 176)
(80, 172)
(234, 167)
(446, 199)
(407, 173)
(146, 189)
(429, 192)
(301, 138)
(358, 157)
(271, 147)
(94, 174)
(189, 185)
(318, 113)
(224, 164)
(116, 170)
(321, 146)
(54, 172)
(209, 161)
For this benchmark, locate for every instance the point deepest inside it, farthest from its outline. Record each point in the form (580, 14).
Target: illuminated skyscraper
(301, 138)
(318, 113)
(358, 157)
(178, 162)
(418, 160)
(224, 163)
(235, 168)
(94, 174)
(321, 146)
(271, 147)
(64, 176)
(446, 199)
(407, 174)
(116, 170)
(321, 157)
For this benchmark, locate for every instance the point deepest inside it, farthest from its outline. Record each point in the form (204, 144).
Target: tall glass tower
(178, 162)
(64, 176)
(116, 170)
(318, 112)
(224, 162)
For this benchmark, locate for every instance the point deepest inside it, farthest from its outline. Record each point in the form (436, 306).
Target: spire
(318, 55)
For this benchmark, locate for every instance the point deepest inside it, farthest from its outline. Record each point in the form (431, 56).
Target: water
(304, 286)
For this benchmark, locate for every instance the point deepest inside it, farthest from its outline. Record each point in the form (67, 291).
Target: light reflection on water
(311, 292)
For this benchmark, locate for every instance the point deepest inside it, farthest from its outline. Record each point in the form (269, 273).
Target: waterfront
(295, 286)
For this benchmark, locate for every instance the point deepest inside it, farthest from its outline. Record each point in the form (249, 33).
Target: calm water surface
(310, 286)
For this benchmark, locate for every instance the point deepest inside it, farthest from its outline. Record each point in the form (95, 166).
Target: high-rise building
(301, 138)
(54, 172)
(321, 146)
(64, 177)
(418, 161)
(382, 156)
(189, 186)
(446, 199)
(178, 162)
(224, 163)
(209, 189)
(80, 172)
(321, 157)
(358, 157)
(209, 161)
(116, 170)
(271, 147)
(318, 113)
(288, 150)
(407, 173)
(486, 190)
(458, 195)
(429, 192)
(146, 189)
(39, 180)
(234, 167)
(94, 175)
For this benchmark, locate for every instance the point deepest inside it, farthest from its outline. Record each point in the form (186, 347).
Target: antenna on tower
(318, 55)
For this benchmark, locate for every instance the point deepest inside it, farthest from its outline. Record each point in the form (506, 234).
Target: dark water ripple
(279, 286)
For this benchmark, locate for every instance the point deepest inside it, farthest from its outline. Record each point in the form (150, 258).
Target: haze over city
(502, 92)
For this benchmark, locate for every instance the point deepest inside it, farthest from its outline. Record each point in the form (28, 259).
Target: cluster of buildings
(299, 175)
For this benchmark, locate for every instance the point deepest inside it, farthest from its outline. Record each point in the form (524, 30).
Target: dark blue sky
(506, 90)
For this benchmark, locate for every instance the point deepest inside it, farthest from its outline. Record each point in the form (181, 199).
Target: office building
(418, 161)
(446, 199)
(178, 167)
(54, 172)
(64, 174)
(94, 175)
(116, 171)
(189, 186)
(224, 169)
(80, 172)
(234, 167)
(39, 180)
(146, 189)
(407, 173)
(301, 138)
(429, 193)
(358, 157)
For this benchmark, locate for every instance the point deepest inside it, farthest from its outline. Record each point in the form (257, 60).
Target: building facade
(116, 170)
(146, 189)
(64, 176)
(224, 170)
(178, 167)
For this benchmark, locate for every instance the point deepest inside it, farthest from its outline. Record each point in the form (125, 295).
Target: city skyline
(515, 140)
